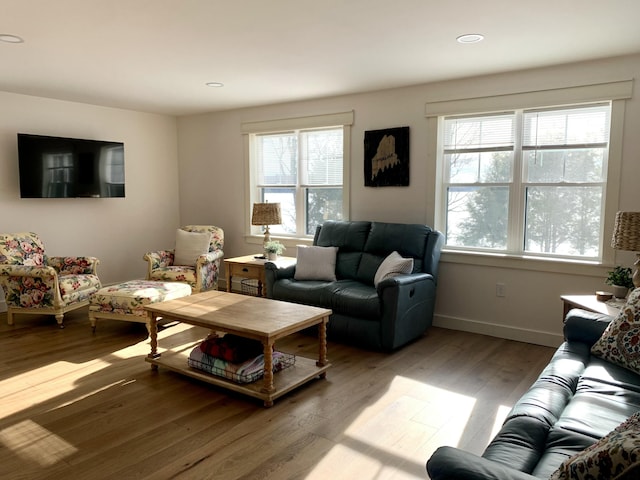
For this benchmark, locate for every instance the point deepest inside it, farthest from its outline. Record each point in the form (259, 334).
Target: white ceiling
(157, 55)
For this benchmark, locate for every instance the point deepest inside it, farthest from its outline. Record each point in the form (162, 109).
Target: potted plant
(621, 281)
(273, 248)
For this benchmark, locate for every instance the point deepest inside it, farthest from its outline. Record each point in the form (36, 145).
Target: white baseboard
(501, 331)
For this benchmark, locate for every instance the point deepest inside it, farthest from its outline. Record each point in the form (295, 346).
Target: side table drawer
(247, 271)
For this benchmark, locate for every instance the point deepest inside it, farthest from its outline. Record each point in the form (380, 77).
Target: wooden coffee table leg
(152, 327)
(268, 368)
(268, 387)
(322, 341)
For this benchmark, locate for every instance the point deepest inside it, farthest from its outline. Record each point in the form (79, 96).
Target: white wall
(212, 174)
(192, 171)
(117, 230)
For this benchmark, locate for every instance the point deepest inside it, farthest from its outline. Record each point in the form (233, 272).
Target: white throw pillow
(393, 265)
(189, 246)
(316, 263)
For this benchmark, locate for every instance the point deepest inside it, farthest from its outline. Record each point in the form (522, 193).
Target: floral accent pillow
(620, 342)
(615, 456)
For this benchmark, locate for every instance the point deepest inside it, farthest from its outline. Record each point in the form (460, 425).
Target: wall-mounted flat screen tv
(57, 167)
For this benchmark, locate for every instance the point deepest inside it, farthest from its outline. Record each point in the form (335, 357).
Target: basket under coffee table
(257, 318)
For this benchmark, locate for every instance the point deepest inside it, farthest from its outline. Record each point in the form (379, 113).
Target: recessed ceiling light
(470, 38)
(214, 84)
(8, 38)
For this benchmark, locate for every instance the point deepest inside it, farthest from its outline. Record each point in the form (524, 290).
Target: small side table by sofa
(252, 268)
(590, 303)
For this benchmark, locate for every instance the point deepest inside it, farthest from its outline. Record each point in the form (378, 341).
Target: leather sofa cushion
(450, 463)
(409, 240)
(561, 444)
(350, 238)
(555, 386)
(351, 297)
(369, 265)
(308, 292)
(606, 395)
(595, 415)
(348, 297)
(347, 264)
(519, 444)
(543, 402)
(602, 375)
(613, 456)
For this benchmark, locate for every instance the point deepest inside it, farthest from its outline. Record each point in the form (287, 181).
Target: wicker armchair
(34, 283)
(202, 275)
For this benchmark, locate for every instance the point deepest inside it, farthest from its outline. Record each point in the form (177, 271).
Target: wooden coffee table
(251, 317)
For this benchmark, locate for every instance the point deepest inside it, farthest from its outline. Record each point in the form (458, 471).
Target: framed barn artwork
(386, 157)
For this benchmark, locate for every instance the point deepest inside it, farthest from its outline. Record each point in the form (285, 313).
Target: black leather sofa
(577, 399)
(399, 310)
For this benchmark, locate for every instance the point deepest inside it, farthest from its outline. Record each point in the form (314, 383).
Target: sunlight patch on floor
(62, 378)
(394, 436)
(172, 337)
(501, 415)
(56, 379)
(32, 442)
(343, 462)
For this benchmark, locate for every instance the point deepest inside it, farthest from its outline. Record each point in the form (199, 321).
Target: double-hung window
(529, 181)
(303, 167)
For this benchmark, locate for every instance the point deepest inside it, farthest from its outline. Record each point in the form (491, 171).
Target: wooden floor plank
(81, 405)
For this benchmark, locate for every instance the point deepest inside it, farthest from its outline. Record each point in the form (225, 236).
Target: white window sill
(289, 242)
(518, 262)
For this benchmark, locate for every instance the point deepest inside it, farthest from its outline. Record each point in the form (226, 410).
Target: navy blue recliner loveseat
(386, 317)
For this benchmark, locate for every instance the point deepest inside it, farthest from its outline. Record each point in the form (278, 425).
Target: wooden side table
(252, 268)
(590, 303)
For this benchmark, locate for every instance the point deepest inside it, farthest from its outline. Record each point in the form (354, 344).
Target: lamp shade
(266, 214)
(626, 232)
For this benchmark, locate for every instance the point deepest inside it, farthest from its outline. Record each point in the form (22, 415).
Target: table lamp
(266, 214)
(626, 236)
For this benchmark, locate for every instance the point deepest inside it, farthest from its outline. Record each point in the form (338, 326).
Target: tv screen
(56, 167)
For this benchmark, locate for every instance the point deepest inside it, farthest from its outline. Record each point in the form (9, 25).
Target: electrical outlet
(501, 290)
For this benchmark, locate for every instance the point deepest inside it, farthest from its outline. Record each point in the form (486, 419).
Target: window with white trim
(304, 167)
(526, 181)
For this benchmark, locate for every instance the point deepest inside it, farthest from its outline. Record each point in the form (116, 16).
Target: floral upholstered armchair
(37, 284)
(195, 259)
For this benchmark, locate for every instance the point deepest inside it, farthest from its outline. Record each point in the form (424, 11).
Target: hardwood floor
(77, 405)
